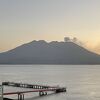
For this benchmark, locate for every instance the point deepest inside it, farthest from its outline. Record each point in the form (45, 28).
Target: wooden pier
(41, 89)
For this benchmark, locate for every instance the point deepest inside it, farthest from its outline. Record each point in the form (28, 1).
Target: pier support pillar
(20, 96)
(42, 93)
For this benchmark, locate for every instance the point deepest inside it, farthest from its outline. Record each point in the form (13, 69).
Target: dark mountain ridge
(41, 52)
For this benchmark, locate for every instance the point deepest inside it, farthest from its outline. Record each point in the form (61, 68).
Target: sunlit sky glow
(22, 21)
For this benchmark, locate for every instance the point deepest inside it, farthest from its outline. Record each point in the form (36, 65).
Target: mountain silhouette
(41, 52)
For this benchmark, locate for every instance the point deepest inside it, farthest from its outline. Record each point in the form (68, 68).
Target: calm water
(82, 82)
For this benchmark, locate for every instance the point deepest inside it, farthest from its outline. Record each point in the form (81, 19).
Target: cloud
(86, 44)
(77, 41)
(67, 39)
(74, 40)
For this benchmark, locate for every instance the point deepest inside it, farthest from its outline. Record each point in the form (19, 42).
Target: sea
(82, 81)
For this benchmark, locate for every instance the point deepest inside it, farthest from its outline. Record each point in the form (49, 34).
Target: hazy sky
(22, 21)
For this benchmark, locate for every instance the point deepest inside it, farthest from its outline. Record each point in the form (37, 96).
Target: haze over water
(82, 82)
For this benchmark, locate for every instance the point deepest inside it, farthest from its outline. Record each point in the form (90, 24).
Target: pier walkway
(41, 89)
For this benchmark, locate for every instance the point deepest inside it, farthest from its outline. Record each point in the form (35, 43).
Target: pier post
(1, 92)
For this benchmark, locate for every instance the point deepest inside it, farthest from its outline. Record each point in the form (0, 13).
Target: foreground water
(82, 81)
